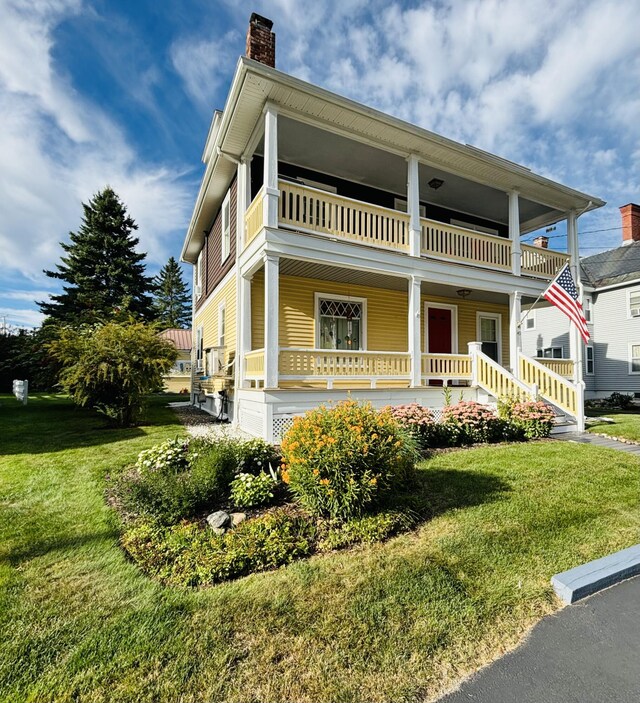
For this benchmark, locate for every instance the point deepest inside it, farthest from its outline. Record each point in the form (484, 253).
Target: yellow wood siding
(386, 313)
(468, 322)
(208, 318)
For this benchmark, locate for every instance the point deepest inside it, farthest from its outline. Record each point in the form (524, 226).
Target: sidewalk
(587, 438)
(586, 653)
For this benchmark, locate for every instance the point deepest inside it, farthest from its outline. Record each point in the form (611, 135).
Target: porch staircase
(535, 381)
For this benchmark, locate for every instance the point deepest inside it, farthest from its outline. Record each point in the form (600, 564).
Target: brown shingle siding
(213, 269)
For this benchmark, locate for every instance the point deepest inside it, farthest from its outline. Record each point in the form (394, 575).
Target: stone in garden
(219, 521)
(237, 518)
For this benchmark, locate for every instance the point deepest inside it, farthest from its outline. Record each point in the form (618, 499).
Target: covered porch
(328, 327)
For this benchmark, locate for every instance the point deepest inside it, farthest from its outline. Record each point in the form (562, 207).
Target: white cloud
(57, 149)
(21, 317)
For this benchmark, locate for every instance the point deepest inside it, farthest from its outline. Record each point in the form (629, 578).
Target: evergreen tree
(102, 272)
(172, 300)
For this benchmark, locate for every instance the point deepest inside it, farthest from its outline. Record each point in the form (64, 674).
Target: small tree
(112, 366)
(171, 298)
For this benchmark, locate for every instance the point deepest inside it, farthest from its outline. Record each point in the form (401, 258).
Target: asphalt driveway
(589, 652)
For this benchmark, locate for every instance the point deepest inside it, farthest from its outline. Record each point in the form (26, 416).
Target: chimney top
(541, 242)
(630, 223)
(261, 41)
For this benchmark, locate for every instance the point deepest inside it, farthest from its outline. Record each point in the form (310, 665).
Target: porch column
(413, 326)
(271, 326)
(244, 327)
(270, 180)
(514, 233)
(575, 340)
(515, 343)
(413, 205)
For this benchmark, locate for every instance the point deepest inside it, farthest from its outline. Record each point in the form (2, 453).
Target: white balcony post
(244, 328)
(514, 233)
(413, 205)
(575, 340)
(474, 349)
(271, 192)
(515, 343)
(415, 347)
(271, 325)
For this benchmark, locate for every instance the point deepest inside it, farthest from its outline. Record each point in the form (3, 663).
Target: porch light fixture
(435, 183)
(463, 292)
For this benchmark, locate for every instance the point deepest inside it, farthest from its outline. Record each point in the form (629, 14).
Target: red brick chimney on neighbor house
(630, 223)
(261, 41)
(541, 242)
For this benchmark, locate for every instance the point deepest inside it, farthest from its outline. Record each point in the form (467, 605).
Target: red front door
(439, 334)
(439, 331)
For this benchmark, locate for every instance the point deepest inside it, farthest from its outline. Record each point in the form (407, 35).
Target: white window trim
(200, 346)
(496, 316)
(629, 292)
(222, 309)
(350, 298)
(593, 360)
(454, 324)
(225, 230)
(587, 304)
(631, 346)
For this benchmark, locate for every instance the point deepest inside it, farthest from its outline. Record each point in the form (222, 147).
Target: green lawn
(625, 424)
(398, 621)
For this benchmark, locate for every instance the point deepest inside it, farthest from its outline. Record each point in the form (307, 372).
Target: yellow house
(178, 380)
(340, 251)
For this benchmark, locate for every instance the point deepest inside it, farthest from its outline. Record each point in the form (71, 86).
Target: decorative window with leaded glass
(340, 324)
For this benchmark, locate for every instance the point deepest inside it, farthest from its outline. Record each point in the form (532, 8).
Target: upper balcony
(313, 211)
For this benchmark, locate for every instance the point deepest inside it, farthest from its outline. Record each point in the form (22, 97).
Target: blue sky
(100, 92)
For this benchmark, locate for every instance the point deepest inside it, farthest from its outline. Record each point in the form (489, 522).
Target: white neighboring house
(341, 252)
(611, 299)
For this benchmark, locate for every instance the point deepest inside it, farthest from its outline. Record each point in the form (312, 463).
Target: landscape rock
(219, 521)
(237, 518)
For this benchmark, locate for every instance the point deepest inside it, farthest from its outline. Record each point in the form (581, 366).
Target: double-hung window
(550, 353)
(634, 359)
(634, 303)
(589, 361)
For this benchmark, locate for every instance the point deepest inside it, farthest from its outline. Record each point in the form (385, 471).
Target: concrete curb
(587, 579)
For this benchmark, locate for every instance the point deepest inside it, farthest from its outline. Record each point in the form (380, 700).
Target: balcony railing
(315, 211)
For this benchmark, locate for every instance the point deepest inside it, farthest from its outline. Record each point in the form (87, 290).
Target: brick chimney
(630, 223)
(541, 242)
(261, 41)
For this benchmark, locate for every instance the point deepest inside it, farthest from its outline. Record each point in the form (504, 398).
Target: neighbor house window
(550, 353)
(340, 323)
(226, 227)
(529, 322)
(199, 349)
(634, 303)
(587, 308)
(634, 362)
(589, 361)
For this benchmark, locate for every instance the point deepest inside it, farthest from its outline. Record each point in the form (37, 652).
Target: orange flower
(331, 440)
(373, 481)
(284, 474)
(316, 472)
(324, 481)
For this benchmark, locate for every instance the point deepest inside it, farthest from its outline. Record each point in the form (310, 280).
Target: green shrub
(620, 400)
(249, 490)
(112, 366)
(533, 417)
(172, 454)
(338, 461)
(172, 490)
(256, 456)
(366, 530)
(189, 554)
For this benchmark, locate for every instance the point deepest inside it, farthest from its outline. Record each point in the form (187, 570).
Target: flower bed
(196, 512)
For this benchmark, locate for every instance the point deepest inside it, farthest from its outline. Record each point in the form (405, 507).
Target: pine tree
(102, 272)
(171, 301)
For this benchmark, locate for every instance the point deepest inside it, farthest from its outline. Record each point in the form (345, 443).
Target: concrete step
(564, 427)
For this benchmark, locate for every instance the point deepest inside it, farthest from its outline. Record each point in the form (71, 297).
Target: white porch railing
(563, 367)
(317, 211)
(552, 387)
(493, 378)
(254, 364)
(542, 263)
(447, 367)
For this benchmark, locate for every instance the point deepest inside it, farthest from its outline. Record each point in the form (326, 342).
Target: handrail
(563, 367)
(493, 378)
(254, 364)
(253, 217)
(550, 385)
(446, 365)
(320, 363)
(545, 263)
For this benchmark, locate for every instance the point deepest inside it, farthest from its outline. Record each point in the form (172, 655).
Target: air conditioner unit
(216, 361)
(635, 312)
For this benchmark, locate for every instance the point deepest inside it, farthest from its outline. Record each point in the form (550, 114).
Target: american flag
(563, 294)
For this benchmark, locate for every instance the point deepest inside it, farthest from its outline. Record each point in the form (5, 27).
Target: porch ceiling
(319, 150)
